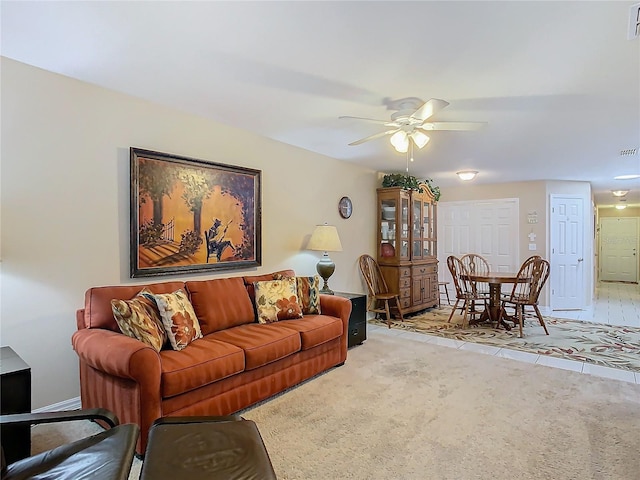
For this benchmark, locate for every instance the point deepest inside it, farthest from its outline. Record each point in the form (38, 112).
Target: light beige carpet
(403, 409)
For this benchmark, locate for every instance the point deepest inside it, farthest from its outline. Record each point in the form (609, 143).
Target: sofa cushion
(309, 294)
(179, 320)
(249, 280)
(204, 362)
(211, 302)
(277, 300)
(139, 318)
(97, 301)
(262, 344)
(315, 329)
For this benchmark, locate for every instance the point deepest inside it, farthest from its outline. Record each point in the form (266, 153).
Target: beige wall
(65, 206)
(531, 197)
(613, 212)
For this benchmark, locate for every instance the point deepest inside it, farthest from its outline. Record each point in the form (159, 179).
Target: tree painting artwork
(190, 215)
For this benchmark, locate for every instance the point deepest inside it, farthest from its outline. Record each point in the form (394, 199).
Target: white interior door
(567, 253)
(489, 228)
(619, 249)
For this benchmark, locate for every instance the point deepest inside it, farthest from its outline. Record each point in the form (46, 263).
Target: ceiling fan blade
(429, 108)
(373, 120)
(431, 126)
(373, 137)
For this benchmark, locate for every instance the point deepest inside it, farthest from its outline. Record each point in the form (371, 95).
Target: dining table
(495, 280)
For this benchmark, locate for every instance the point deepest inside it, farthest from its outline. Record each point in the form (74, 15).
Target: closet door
(489, 228)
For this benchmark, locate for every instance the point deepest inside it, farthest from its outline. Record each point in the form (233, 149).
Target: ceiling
(558, 83)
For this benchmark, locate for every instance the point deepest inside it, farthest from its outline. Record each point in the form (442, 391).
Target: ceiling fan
(409, 123)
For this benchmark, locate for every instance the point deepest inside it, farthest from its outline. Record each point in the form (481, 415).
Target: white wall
(65, 206)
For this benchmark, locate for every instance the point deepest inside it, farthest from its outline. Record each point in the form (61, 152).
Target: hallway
(614, 304)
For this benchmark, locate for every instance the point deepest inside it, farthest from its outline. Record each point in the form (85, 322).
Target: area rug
(400, 409)
(599, 344)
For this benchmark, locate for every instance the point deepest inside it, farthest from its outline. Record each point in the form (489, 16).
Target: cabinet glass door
(427, 230)
(404, 228)
(388, 227)
(416, 248)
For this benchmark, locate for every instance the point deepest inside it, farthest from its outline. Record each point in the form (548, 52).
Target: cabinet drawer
(424, 270)
(405, 302)
(405, 293)
(404, 272)
(357, 334)
(418, 272)
(405, 283)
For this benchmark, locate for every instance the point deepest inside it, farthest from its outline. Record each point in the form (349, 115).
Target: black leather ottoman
(196, 448)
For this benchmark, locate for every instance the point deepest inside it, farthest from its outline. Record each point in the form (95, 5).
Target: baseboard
(71, 404)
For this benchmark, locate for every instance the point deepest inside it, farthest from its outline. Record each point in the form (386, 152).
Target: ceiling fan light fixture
(619, 193)
(467, 175)
(400, 141)
(419, 138)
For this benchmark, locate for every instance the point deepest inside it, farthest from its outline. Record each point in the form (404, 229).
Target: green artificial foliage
(409, 182)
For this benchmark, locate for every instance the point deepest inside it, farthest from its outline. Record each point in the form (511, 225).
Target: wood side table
(357, 319)
(15, 397)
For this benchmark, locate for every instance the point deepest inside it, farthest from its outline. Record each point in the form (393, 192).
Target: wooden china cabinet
(407, 245)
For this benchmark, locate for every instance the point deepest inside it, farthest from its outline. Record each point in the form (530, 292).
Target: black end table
(15, 397)
(358, 318)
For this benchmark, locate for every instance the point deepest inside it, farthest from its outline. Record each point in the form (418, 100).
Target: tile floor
(615, 304)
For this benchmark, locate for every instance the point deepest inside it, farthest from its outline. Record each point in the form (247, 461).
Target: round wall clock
(345, 207)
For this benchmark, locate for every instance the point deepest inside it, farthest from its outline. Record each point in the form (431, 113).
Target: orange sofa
(237, 363)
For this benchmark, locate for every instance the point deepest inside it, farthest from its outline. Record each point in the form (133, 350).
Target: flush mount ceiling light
(467, 175)
(627, 177)
(621, 207)
(619, 193)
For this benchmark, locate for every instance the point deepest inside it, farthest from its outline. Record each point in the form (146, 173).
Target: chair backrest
(476, 264)
(372, 275)
(534, 273)
(457, 270)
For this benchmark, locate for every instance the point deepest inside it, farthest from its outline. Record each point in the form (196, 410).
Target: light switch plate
(532, 246)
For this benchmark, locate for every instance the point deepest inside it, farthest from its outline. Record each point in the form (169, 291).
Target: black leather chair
(106, 455)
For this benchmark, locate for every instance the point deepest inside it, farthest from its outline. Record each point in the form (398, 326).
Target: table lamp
(325, 239)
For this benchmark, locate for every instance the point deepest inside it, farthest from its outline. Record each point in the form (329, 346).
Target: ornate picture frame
(190, 215)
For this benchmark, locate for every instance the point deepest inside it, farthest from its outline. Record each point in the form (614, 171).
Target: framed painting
(190, 215)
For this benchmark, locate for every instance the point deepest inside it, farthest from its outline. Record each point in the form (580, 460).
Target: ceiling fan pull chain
(407, 161)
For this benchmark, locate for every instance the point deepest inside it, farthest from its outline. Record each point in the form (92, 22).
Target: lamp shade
(400, 141)
(325, 239)
(419, 138)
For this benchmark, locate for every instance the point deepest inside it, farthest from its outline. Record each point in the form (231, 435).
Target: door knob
(580, 259)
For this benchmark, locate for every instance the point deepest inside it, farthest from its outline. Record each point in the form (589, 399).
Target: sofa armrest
(117, 355)
(336, 306)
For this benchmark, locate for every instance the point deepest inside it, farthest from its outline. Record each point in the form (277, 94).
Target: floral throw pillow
(178, 318)
(277, 300)
(139, 318)
(309, 294)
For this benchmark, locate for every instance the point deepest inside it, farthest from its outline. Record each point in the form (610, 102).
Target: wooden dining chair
(532, 276)
(381, 300)
(464, 290)
(475, 263)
